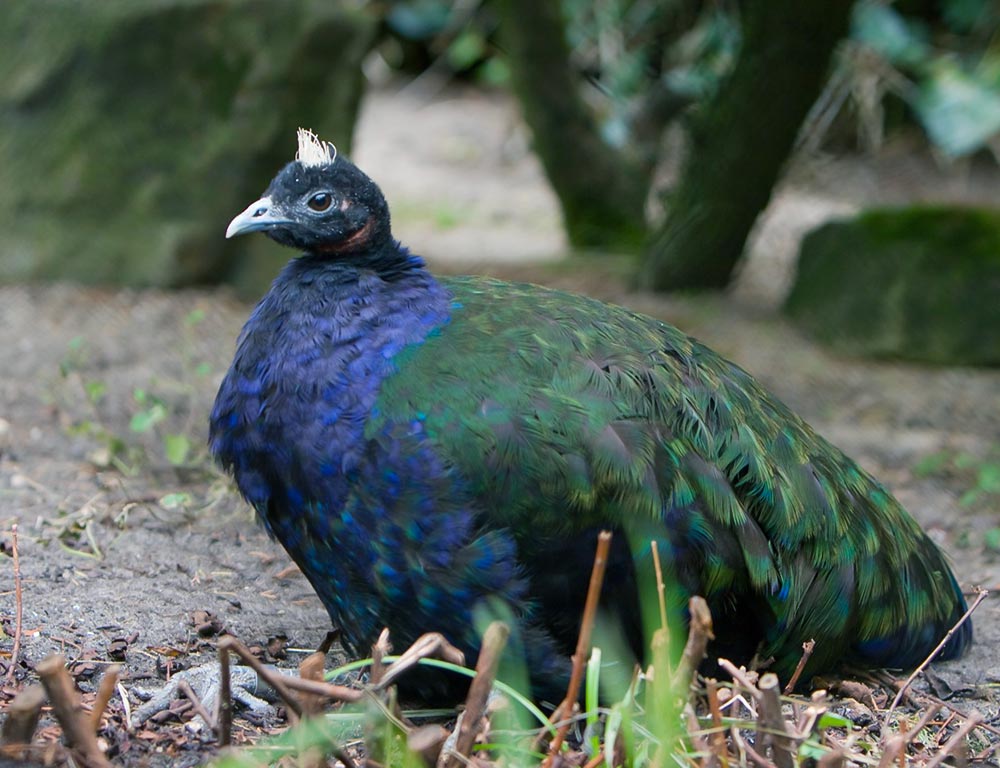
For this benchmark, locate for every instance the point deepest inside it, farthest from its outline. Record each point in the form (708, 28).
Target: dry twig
(429, 645)
(109, 682)
(311, 668)
(68, 709)
(699, 634)
(224, 722)
(807, 650)
(980, 596)
(199, 708)
(896, 746)
(380, 650)
(717, 740)
(494, 641)
(749, 751)
(782, 746)
(741, 677)
(275, 679)
(324, 689)
(427, 741)
(22, 716)
(957, 740)
(582, 645)
(15, 652)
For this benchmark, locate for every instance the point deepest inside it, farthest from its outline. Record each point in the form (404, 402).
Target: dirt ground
(119, 547)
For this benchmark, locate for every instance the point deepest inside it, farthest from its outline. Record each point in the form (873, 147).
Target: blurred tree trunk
(741, 140)
(602, 192)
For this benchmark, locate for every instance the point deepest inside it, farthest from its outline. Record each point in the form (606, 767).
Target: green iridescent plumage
(565, 413)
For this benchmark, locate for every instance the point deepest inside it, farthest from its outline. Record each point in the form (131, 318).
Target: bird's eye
(320, 201)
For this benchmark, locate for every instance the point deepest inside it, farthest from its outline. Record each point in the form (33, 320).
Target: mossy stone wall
(131, 131)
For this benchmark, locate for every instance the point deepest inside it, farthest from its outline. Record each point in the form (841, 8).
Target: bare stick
(896, 746)
(740, 677)
(699, 740)
(494, 640)
(275, 680)
(15, 652)
(380, 650)
(311, 668)
(126, 707)
(699, 633)
(427, 741)
(807, 650)
(224, 722)
(69, 712)
(770, 715)
(199, 708)
(980, 596)
(324, 689)
(429, 645)
(22, 716)
(717, 740)
(957, 740)
(109, 681)
(833, 759)
(749, 751)
(582, 645)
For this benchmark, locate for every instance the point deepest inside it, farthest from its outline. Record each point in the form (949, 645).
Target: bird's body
(425, 446)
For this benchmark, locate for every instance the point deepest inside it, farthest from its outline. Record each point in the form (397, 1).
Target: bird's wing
(561, 414)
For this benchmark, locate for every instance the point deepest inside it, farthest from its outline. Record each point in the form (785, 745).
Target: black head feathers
(321, 203)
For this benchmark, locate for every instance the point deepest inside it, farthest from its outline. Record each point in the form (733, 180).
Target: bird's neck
(309, 366)
(367, 251)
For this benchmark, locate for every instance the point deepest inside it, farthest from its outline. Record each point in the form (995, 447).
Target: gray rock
(918, 283)
(131, 131)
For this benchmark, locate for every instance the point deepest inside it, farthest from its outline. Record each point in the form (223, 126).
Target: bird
(429, 449)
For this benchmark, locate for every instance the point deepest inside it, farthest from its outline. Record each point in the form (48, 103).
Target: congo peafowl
(422, 446)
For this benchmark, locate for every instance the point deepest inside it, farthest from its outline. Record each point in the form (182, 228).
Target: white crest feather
(313, 150)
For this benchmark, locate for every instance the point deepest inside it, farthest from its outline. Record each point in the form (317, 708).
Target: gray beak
(256, 217)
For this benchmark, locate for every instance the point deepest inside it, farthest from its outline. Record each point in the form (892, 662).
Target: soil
(119, 548)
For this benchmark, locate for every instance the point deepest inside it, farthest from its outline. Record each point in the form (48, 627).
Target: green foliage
(161, 423)
(947, 69)
(630, 48)
(978, 474)
(455, 37)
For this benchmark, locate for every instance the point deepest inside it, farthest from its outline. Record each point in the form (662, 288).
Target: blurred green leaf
(95, 390)
(194, 317)
(175, 500)
(494, 71)
(812, 750)
(888, 33)
(468, 48)
(969, 497)
(992, 539)
(177, 448)
(143, 421)
(932, 464)
(959, 112)
(988, 478)
(966, 460)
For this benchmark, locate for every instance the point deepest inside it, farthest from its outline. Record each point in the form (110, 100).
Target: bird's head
(320, 203)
